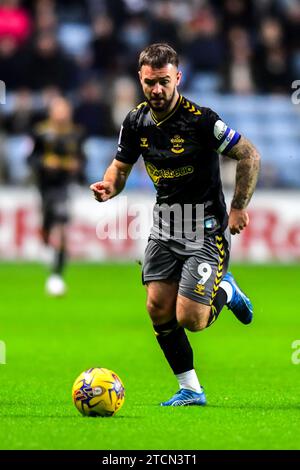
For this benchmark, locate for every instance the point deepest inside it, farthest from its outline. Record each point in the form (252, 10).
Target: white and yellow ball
(98, 392)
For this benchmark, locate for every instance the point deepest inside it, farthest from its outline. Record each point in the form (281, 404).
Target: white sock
(228, 289)
(189, 380)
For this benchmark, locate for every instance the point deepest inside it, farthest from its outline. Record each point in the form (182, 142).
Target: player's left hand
(238, 220)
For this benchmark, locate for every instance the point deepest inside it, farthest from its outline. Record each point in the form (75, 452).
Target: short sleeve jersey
(180, 153)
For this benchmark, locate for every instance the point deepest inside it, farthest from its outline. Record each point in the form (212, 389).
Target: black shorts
(55, 207)
(198, 275)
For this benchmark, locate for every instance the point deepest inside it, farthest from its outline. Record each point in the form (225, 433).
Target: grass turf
(251, 384)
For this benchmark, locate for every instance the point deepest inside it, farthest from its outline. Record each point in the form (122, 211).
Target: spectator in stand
(135, 34)
(237, 73)
(124, 98)
(105, 46)
(163, 25)
(272, 61)
(203, 46)
(134, 37)
(293, 19)
(92, 113)
(12, 64)
(15, 29)
(48, 65)
(236, 13)
(15, 21)
(45, 20)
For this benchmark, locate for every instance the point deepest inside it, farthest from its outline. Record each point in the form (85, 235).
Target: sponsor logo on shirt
(166, 173)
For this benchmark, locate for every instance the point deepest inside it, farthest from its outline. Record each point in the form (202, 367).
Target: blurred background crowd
(238, 57)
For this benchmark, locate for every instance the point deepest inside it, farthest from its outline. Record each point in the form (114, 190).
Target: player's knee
(192, 320)
(193, 324)
(158, 311)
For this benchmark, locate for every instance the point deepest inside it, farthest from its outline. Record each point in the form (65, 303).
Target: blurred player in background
(57, 160)
(187, 282)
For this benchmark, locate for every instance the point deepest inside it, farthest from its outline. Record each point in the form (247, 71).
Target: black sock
(59, 261)
(218, 303)
(175, 345)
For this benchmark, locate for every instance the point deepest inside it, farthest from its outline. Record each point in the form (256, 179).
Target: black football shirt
(65, 146)
(180, 153)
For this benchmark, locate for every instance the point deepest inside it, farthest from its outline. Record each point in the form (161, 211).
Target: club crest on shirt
(177, 143)
(144, 142)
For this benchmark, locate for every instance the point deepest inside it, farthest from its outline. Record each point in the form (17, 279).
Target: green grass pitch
(252, 386)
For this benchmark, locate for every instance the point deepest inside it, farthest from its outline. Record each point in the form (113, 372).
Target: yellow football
(98, 392)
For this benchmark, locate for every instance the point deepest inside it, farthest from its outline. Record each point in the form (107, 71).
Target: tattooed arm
(246, 177)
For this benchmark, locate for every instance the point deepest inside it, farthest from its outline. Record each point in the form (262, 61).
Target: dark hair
(158, 55)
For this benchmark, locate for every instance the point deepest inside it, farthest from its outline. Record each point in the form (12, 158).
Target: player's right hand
(103, 190)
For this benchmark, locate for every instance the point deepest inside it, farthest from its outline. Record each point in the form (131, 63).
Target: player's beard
(160, 104)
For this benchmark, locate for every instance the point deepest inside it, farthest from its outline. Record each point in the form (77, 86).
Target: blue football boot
(186, 397)
(239, 304)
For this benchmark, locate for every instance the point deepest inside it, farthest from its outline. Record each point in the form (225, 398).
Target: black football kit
(63, 147)
(181, 157)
